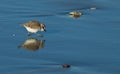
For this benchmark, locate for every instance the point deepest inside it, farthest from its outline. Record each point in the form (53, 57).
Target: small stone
(75, 14)
(66, 66)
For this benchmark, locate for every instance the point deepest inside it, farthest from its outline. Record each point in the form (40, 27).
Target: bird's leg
(29, 34)
(39, 35)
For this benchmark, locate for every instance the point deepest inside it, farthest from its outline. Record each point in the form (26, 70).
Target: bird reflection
(32, 44)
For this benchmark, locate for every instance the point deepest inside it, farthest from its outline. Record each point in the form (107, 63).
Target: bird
(32, 44)
(34, 26)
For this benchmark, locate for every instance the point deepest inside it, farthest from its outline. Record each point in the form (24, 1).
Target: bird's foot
(29, 34)
(39, 35)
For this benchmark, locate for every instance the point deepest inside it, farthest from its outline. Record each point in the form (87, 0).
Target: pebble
(75, 14)
(93, 8)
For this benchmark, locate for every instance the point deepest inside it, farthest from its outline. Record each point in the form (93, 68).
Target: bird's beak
(45, 30)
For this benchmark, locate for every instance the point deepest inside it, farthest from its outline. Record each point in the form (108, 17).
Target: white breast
(31, 30)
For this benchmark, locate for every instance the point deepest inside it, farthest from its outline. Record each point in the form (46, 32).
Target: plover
(34, 26)
(32, 44)
(75, 14)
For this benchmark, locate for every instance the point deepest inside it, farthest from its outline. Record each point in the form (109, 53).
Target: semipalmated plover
(34, 26)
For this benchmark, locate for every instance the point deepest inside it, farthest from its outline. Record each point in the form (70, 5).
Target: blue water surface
(90, 44)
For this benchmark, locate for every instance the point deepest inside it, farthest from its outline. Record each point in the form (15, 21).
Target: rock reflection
(32, 44)
(72, 12)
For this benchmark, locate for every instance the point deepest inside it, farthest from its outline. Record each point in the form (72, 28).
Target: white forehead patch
(42, 30)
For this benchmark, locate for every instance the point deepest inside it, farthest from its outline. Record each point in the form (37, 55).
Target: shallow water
(90, 44)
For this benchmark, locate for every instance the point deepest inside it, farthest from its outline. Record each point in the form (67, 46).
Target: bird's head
(42, 27)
